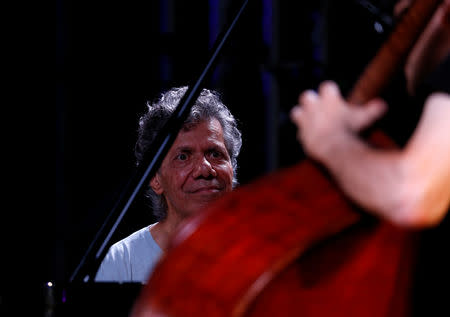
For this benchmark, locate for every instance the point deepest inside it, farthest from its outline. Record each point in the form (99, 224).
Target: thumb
(363, 116)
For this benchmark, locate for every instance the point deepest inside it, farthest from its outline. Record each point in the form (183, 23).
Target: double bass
(291, 243)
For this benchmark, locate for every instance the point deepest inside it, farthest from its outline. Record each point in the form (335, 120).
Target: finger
(297, 116)
(296, 113)
(363, 116)
(329, 88)
(308, 97)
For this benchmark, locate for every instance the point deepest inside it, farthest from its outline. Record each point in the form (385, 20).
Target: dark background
(114, 56)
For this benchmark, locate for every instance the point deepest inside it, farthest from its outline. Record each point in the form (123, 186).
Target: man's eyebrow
(216, 147)
(183, 148)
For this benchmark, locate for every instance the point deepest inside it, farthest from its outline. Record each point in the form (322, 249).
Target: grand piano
(89, 299)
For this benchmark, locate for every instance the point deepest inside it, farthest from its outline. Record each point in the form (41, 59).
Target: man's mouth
(207, 189)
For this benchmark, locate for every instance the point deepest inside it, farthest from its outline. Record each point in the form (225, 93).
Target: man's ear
(155, 184)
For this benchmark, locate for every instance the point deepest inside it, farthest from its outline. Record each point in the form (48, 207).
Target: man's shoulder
(135, 238)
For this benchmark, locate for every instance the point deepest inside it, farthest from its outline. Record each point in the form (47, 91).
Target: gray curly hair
(208, 105)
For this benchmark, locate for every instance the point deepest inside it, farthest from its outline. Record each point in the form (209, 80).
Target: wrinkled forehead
(212, 123)
(211, 132)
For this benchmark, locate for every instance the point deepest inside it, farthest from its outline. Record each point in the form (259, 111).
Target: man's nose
(204, 168)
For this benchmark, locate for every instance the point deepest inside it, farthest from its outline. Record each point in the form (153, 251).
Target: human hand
(326, 121)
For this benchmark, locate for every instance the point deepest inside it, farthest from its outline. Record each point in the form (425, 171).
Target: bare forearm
(373, 178)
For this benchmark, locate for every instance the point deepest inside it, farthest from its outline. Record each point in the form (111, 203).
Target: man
(199, 168)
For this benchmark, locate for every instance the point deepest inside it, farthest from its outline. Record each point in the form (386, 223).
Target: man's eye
(182, 157)
(216, 154)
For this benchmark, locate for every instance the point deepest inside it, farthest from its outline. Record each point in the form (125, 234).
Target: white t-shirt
(132, 259)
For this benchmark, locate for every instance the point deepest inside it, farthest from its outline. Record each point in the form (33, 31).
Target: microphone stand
(88, 266)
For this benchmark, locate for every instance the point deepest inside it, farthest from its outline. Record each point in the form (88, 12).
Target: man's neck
(163, 230)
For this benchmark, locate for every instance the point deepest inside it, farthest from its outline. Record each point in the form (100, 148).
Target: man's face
(196, 170)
